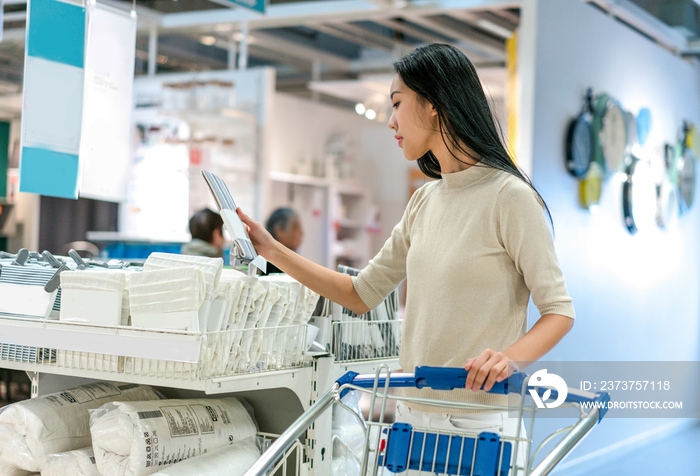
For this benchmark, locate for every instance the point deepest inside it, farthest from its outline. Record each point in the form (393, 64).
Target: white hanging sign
(105, 148)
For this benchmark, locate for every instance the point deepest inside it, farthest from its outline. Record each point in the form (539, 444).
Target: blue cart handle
(437, 378)
(450, 378)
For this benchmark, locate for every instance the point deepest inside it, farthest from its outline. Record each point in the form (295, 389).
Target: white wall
(636, 297)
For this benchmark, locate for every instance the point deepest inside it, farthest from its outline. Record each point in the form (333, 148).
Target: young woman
(473, 245)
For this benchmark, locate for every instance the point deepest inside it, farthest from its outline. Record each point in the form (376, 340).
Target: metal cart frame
(400, 447)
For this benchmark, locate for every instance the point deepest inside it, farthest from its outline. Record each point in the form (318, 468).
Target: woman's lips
(400, 139)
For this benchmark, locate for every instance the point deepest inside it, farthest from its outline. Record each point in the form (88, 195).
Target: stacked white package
(258, 293)
(210, 268)
(301, 304)
(22, 290)
(92, 296)
(33, 429)
(220, 345)
(252, 341)
(79, 462)
(233, 460)
(140, 438)
(167, 298)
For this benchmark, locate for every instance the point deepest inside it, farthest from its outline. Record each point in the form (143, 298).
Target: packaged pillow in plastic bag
(233, 460)
(140, 438)
(71, 463)
(32, 429)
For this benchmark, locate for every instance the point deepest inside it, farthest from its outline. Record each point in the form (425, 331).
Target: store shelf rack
(217, 362)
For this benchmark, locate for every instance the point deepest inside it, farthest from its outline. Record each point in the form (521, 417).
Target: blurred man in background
(206, 228)
(284, 225)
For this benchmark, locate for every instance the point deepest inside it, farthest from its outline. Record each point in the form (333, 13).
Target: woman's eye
(395, 105)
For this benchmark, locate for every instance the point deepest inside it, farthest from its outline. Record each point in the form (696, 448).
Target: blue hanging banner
(52, 98)
(256, 5)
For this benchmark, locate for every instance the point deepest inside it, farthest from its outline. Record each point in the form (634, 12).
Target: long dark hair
(444, 76)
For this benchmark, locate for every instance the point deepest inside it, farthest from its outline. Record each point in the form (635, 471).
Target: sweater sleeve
(386, 270)
(525, 234)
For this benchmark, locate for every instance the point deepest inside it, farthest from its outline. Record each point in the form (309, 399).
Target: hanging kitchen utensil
(590, 188)
(639, 202)
(667, 205)
(579, 141)
(685, 166)
(693, 140)
(610, 133)
(643, 125)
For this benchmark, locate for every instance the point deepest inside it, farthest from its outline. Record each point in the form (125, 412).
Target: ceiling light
(360, 108)
(370, 114)
(495, 29)
(207, 40)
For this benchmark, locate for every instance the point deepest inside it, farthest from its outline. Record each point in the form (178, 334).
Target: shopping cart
(399, 447)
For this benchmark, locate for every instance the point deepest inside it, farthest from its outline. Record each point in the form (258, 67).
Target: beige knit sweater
(473, 247)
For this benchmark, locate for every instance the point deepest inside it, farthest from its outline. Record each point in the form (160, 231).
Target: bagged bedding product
(12, 471)
(33, 429)
(140, 438)
(71, 463)
(232, 460)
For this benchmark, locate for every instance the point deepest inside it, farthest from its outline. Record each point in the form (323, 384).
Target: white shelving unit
(60, 355)
(334, 216)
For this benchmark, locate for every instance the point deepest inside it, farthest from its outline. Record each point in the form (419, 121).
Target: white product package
(140, 438)
(92, 296)
(249, 292)
(211, 270)
(13, 471)
(233, 460)
(32, 429)
(167, 298)
(79, 462)
(258, 293)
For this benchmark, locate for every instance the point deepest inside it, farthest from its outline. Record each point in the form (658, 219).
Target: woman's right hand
(262, 240)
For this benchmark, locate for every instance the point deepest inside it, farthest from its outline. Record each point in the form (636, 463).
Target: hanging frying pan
(639, 202)
(643, 125)
(590, 187)
(667, 205)
(685, 166)
(579, 141)
(610, 132)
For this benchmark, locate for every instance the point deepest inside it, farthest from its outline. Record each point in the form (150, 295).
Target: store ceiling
(334, 50)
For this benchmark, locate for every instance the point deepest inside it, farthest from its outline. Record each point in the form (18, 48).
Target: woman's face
(413, 120)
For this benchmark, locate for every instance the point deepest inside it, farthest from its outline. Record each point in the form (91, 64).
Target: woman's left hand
(486, 369)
